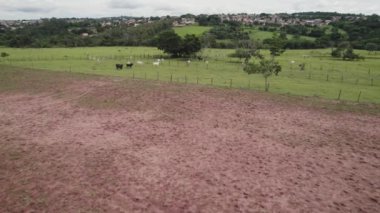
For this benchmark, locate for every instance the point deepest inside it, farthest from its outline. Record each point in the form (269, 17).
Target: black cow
(129, 65)
(119, 66)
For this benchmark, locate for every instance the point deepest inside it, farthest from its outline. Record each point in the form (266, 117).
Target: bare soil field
(75, 143)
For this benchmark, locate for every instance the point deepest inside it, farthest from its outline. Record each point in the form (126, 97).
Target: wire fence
(327, 73)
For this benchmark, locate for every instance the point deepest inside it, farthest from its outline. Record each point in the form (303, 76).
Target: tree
(266, 67)
(371, 47)
(173, 44)
(336, 36)
(190, 45)
(169, 42)
(345, 51)
(349, 54)
(241, 53)
(336, 53)
(247, 54)
(276, 45)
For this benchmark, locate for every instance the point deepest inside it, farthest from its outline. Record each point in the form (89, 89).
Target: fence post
(158, 76)
(171, 78)
(340, 92)
(360, 93)
(230, 83)
(327, 77)
(249, 84)
(341, 78)
(185, 79)
(212, 81)
(197, 80)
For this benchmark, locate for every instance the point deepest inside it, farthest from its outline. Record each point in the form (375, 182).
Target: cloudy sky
(31, 9)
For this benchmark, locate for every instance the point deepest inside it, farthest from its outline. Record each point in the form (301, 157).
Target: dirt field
(105, 145)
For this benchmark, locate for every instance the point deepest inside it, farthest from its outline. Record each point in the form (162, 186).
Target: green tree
(247, 54)
(173, 44)
(349, 54)
(371, 47)
(266, 67)
(169, 42)
(190, 45)
(336, 53)
(276, 45)
(336, 36)
(208, 40)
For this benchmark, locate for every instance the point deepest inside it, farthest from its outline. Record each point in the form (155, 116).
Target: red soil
(104, 146)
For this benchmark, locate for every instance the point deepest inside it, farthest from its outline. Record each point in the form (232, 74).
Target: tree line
(363, 33)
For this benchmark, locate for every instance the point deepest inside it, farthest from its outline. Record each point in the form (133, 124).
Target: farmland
(129, 114)
(193, 29)
(257, 34)
(323, 77)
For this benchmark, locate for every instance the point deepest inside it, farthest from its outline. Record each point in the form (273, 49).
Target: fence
(313, 73)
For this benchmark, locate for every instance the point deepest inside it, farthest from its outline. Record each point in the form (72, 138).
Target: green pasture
(257, 34)
(324, 77)
(254, 33)
(193, 29)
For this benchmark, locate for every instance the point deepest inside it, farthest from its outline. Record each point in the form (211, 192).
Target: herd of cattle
(129, 65)
(120, 66)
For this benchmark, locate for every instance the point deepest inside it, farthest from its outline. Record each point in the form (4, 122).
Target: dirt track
(106, 146)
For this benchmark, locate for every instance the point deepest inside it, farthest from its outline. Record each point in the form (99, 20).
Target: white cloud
(22, 9)
(117, 4)
(27, 6)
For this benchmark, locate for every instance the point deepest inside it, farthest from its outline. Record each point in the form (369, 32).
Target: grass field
(324, 77)
(261, 35)
(193, 29)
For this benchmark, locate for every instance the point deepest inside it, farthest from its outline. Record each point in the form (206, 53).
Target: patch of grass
(115, 96)
(323, 76)
(257, 34)
(192, 29)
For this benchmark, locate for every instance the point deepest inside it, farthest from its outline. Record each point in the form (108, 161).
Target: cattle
(200, 58)
(129, 65)
(140, 62)
(119, 66)
(156, 63)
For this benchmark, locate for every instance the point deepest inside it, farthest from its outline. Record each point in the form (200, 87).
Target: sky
(35, 9)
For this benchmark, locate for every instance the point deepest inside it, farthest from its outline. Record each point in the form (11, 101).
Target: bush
(4, 54)
(336, 53)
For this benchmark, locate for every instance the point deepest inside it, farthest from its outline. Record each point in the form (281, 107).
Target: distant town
(189, 19)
